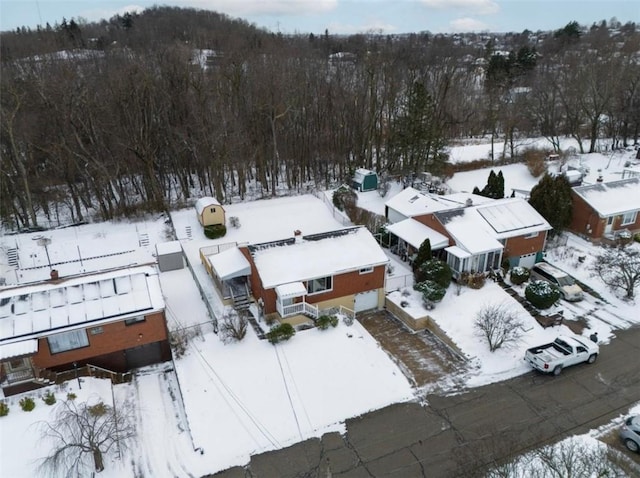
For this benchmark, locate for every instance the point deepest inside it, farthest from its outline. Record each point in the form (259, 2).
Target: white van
(568, 288)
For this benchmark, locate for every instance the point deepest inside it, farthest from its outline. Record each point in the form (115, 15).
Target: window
(321, 284)
(532, 235)
(366, 270)
(74, 339)
(134, 320)
(629, 218)
(213, 209)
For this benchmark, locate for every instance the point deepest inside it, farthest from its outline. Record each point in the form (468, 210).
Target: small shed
(170, 257)
(210, 211)
(364, 180)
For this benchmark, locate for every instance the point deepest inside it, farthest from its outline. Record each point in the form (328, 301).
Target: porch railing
(297, 308)
(20, 376)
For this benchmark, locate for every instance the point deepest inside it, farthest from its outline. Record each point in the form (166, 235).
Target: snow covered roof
(293, 289)
(319, 255)
(411, 202)
(615, 197)
(229, 264)
(172, 247)
(361, 173)
(205, 202)
(512, 217)
(414, 233)
(36, 310)
(478, 229)
(16, 349)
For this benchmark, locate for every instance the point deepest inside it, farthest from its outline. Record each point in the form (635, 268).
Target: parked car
(568, 288)
(630, 433)
(562, 352)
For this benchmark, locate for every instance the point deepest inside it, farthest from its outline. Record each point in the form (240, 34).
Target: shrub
(431, 291)
(4, 409)
(27, 404)
(541, 294)
(49, 398)
(474, 280)
(535, 161)
(519, 275)
(436, 271)
(325, 321)
(215, 231)
(280, 333)
(344, 198)
(71, 396)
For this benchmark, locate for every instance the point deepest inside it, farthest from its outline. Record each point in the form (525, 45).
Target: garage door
(527, 261)
(144, 355)
(366, 301)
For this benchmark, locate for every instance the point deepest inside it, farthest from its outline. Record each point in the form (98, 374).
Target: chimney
(469, 202)
(54, 274)
(600, 179)
(297, 234)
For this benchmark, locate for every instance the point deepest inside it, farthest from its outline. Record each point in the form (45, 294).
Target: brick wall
(521, 245)
(115, 338)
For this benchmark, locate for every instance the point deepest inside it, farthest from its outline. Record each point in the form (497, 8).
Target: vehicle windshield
(566, 280)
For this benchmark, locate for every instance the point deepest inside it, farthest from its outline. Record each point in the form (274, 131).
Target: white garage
(366, 301)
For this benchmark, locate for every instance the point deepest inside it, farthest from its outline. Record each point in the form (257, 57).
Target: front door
(609, 227)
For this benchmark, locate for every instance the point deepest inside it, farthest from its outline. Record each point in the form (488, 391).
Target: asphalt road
(452, 436)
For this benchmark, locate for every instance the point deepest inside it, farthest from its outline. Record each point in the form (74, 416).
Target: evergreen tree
(498, 189)
(494, 188)
(551, 197)
(423, 255)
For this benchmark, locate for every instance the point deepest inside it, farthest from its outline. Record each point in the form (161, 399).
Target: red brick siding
(583, 216)
(431, 221)
(115, 337)
(351, 283)
(520, 245)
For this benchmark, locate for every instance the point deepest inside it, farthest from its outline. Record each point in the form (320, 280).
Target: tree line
(141, 112)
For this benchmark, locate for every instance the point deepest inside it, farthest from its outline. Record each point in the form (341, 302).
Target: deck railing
(297, 308)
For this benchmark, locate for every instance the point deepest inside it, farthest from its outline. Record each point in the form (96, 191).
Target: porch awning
(16, 349)
(459, 253)
(229, 264)
(292, 289)
(414, 233)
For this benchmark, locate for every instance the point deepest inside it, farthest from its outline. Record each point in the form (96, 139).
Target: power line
(286, 387)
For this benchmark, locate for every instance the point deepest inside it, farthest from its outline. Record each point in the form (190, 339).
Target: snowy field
(219, 404)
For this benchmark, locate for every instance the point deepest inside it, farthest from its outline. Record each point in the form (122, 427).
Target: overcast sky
(348, 16)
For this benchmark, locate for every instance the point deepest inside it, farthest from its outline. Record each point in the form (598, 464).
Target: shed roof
(315, 256)
(205, 202)
(37, 310)
(415, 233)
(611, 198)
(165, 248)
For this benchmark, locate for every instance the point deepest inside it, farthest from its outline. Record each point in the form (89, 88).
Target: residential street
(454, 435)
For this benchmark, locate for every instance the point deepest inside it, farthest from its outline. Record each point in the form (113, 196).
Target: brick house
(470, 232)
(603, 210)
(295, 279)
(112, 320)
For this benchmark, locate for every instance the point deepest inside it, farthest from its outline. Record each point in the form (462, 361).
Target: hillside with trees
(141, 112)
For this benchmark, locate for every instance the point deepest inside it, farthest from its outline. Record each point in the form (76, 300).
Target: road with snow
(454, 435)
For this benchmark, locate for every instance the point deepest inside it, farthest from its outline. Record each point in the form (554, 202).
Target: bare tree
(499, 326)
(619, 268)
(233, 327)
(83, 434)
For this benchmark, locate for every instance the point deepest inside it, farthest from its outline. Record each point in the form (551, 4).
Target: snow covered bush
(619, 268)
(344, 198)
(474, 280)
(280, 333)
(27, 404)
(431, 291)
(541, 294)
(215, 231)
(434, 270)
(49, 398)
(325, 321)
(519, 275)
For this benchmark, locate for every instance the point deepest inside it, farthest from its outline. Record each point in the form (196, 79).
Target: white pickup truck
(562, 352)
